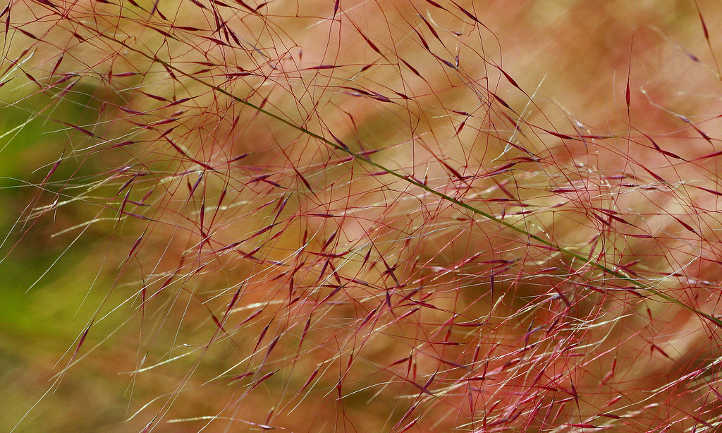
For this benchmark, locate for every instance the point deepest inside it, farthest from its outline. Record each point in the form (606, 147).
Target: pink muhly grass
(378, 216)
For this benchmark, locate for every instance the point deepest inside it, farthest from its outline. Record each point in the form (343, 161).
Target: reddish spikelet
(705, 31)
(263, 379)
(368, 41)
(136, 243)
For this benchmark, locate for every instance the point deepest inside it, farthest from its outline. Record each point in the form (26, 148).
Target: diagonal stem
(564, 251)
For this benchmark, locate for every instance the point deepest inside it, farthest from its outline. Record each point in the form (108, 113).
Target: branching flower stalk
(359, 156)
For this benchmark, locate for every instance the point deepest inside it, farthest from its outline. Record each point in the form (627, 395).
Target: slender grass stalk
(460, 203)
